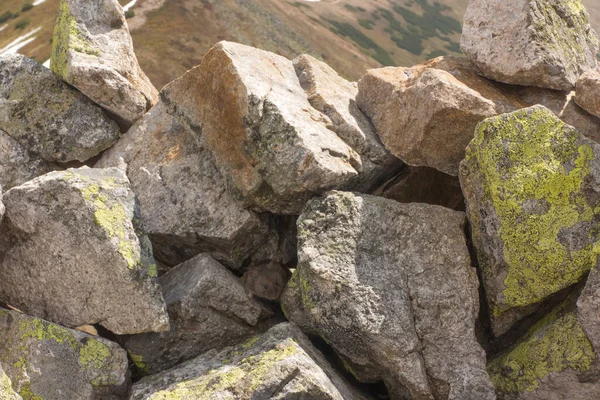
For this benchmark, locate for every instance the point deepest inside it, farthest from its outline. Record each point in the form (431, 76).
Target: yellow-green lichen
(6, 390)
(138, 361)
(533, 169)
(94, 354)
(34, 328)
(152, 270)
(27, 394)
(554, 344)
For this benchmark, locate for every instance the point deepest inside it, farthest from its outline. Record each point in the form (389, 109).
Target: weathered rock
(588, 308)
(336, 97)
(6, 390)
(2, 208)
(17, 165)
(545, 43)
(69, 253)
(273, 145)
(424, 185)
(588, 92)
(208, 309)
(48, 117)
(280, 364)
(531, 188)
(553, 361)
(47, 361)
(404, 312)
(93, 51)
(184, 203)
(426, 115)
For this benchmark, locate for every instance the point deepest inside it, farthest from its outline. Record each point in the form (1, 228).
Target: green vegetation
(366, 23)
(350, 7)
(27, 6)
(436, 53)
(129, 14)
(22, 23)
(7, 16)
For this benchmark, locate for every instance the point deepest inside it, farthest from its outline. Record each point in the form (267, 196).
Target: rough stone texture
(588, 308)
(588, 92)
(17, 165)
(273, 145)
(208, 309)
(280, 364)
(47, 361)
(336, 97)
(435, 135)
(553, 361)
(6, 390)
(545, 43)
(531, 188)
(184, 202)
(69, 253)
(93, 51)
(2, 208)
(404, 312)
(424, 185)
(48, 117)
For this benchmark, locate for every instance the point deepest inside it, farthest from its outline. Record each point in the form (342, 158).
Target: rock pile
(264, 229)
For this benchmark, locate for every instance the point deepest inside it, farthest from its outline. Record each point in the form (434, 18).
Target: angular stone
(403, 313)
(47, 361)
(588, 308)
(545, 43)
(273, 145)
(69, 253)
(553, 361)
(17, 165)
(531, 188)
(48, 117)
(6, 390)
(280, 364)
(588, 92)
(93, 51)
(2, 208)
(185, 206)
(336, 97)
(434, 136)
(208, 309)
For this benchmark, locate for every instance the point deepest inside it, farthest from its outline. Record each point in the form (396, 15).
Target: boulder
(6, 390)
(275, 148)
(587, 92)
(208, 309)
(185, 206)
(403, 313)
(426, 115)
(47, 361)
(531, 185)
(70, 253)
(588, 308)
(553, 361)
(545, 43)
(93, 51)
(2, 208)
(279, 364)
(17, 165)
(48, 117)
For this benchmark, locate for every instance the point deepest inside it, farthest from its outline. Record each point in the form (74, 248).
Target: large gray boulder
(404, 312)
(70, 253)
(185, 204)
(48, 117)
(545, 43)
(47, 361)
(531, 188)
(93, 51)
(587, 92)
(208, 309)
(6, 390)
(279, 364)
(17, 165)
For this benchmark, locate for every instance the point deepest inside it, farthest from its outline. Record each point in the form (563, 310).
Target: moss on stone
(94, 354)
(138, 361)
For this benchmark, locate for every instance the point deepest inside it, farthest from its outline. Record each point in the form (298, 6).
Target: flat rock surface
(587, 92)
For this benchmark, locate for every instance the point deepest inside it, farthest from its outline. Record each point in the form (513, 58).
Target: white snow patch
(127, 6)
(38, 2)
(3, 27)
(47, 64)
(20, 42)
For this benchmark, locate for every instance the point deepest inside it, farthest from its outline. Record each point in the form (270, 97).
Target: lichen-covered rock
(274, 147)
(208, 309)
(17, 165)
(185, 206)
(336, 97)
(426, 115)
(531, 188)
(47, 361)
(93, 51)
(553, 361)
(404, 312)
(545, 43)
(6, 390)
(48, 117)
(280, 364)
(588, 92)
(69, 253)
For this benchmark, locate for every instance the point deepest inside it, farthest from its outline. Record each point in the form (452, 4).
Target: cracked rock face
(545, 43)
(69, 253)
(93, 51)
(49, 119)
(279, 364)
(47, 361)
(531, 187)
(404, 312)
(208, 309)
